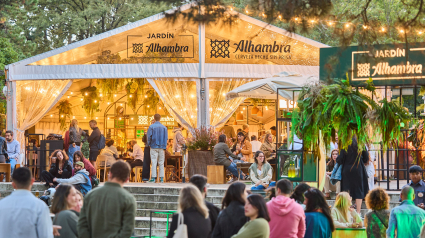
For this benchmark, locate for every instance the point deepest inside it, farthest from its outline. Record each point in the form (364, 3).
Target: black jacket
(230, 221)
(213, 212)
(66, 170)
(197, 225)
(3, 146)
(94, 139)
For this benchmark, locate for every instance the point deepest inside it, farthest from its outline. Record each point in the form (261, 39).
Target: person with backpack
(95, 142)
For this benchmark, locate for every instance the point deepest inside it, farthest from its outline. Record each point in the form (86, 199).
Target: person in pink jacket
(287, 218)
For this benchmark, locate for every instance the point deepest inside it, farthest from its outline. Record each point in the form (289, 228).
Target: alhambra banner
(389, 64)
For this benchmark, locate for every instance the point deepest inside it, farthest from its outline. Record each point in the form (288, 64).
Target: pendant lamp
(254, 110)
(239, 117)
(260, 113)
(235, 123)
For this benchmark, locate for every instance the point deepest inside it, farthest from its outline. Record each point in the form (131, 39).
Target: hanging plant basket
(150, 102)
(135, 89)
(65, 113)
(91, 100)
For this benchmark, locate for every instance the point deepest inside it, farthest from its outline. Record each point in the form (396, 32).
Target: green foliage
(91, 100)
(150, 102)
(65, 112)
(85, 149)
(135, 88)
(8, 54)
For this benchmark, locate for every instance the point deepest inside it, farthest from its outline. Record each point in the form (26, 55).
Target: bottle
(291, 169)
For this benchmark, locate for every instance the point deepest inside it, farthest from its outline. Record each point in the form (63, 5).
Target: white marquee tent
(191, 67)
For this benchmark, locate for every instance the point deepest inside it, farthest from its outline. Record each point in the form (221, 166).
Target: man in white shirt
(137, 154)
(23, 214)
(255, 144)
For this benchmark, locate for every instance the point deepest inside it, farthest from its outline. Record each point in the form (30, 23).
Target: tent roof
(26, 70)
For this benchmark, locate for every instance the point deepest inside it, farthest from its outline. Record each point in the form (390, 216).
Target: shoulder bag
(386, 225)
(181, 231)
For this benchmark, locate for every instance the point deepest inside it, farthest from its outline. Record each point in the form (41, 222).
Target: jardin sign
(145, 120)
(390, 64)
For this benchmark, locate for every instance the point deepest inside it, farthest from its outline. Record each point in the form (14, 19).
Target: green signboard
(145, 120)
(387, 64)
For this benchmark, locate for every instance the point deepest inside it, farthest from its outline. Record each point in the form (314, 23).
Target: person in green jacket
(109, 211)
(256, 211)
(66, 198)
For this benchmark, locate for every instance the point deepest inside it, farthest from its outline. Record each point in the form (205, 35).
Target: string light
(73, 117)
(101, 95)
(364, 27)
(330, 23)
(146, 96)
(108, 118)
(109, 103)
(420, 32)
(86, 94)
(131, 95)
(61, 115)
(280, 17)
(401, 31)
(51, 115)
(120, 118)
(85, 117)
(347, 25)
(81, 99)
(115, 95)
(383, 29)
(95, 101)
(159, 108)
(120, 104)
(296, 18)
(132, 118)
(71, 92)
(246, 11)
(97, 118)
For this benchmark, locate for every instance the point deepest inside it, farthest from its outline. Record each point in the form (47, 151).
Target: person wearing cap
(80, 180)
(415, 175)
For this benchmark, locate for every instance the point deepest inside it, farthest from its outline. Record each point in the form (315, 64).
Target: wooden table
(127, 158)
(240, 166)
(179, 161)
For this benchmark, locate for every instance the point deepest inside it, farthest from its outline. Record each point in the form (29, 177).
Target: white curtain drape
(179, 97)
(220, 109)
(33, 100)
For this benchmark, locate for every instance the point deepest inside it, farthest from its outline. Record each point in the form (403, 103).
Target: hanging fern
(91, 100)
(135, 88)
(65, 112)
(109, 87)
(150, 102)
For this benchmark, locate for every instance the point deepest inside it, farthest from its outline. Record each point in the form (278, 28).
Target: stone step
(171, 198)
(141, 232)
(169, 190)
(147, 212)
(173, 206)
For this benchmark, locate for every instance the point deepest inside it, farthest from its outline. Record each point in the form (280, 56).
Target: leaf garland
(91, 100)
(65, 111)
(338, 107)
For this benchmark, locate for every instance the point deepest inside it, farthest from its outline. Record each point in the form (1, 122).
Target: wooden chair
(216, 174)
(138, 174)
(101, 164)
(5, 168)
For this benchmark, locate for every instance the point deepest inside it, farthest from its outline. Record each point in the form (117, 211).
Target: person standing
(93, 143)
(256, 145)
(232, 217)
(256, 211)
(75, 134)
(23, 214)
(229, 131)
(376, 221)
(146, 160)
(273, 132)
(13, 149)
(407, 218)
(354, 177)
(137, 154)
(178, 139)
(415, 175)
(157, 141)
(66, 198)
(245, 131)
(109, 211)
(287, 219)
(200, 181)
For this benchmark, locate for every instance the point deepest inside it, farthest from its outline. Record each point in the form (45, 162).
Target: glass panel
(246, 43)
(155, 42)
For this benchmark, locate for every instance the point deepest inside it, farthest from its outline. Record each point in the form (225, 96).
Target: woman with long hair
(60, 167)
(269, 148)
(78, 156)
(66, 198)
(261, 172)
(343, 215)
(75, 134)
(318, 220)
(243, 148)
(232, 217)
(376, 221)
(256, 211)
(195, 214)
(353, 173)
(111, 152)
(298, 194)
(329, 167)
(223, 156)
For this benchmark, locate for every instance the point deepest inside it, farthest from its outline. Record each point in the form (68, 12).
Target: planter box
(198, 161)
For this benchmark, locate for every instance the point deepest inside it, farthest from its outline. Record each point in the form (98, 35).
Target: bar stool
(138, 174)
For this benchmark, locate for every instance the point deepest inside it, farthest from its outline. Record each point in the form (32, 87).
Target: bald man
(407, 218)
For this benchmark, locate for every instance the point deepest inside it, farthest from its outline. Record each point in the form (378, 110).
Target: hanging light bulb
(95, 101)
(73, 117)
(61, 115)
(146, 96)
(159, 108)
(51, 115)
(97, 118)
(71, 92)
(148, 106)
(86, 94)
(115, 95)
(68, 96)
(120, 104)
(85, 117)
(82, 99)
(101, 95)
(109, 103)
(120, 118)
(132, 118)
(131, 95)
(108, 118)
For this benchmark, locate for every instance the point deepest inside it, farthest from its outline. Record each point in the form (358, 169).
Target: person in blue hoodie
(80, 180)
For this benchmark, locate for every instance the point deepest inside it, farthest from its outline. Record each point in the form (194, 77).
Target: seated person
(415, 175)
(269, 149)
(329, 167)
(111, 152)
(137, 155)
(80, 180)
(60, 167)
(343, 215)
(221, 153)
(78, 156)
(242, 148)
(260, 171)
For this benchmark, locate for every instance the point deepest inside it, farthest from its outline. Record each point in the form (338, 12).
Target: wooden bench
(5, 168)
(216, 174)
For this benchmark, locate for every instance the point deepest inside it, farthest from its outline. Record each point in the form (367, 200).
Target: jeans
(259, 187)
(12, 163)
(233, 169)
(71, 151)
(157, 156)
